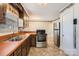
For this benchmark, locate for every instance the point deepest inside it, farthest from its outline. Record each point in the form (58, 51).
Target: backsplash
(9, 27)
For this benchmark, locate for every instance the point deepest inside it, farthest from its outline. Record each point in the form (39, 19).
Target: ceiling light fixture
(43, 4)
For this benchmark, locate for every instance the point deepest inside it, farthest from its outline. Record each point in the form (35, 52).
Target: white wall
(75, 14)
(33, 26)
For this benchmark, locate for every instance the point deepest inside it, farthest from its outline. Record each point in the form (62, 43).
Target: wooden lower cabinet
(17, 52)
(24, 48)
(11, 54)
(24, 51)
(33, 40)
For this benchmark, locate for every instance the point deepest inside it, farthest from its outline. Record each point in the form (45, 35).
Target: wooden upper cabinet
(12, 10)
(7, 8)
(2, 13)
(26, 17)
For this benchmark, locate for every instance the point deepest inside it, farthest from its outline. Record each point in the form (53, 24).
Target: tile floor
(51, 50)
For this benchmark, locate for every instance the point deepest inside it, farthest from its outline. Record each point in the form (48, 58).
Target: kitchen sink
(16, 38)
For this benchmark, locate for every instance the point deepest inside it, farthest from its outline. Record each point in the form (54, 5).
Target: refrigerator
(56, 33)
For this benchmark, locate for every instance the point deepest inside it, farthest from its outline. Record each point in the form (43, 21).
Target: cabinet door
(67, 19)
(17, 52)
(24, 48)
(28, 45)
(33, 40)
(26, 21)
(24, 51)
(2, 20)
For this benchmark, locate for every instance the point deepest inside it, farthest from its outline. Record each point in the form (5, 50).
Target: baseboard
(77, 52)
(70, 52)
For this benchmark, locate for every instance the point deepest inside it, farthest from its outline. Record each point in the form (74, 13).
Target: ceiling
(43, 12)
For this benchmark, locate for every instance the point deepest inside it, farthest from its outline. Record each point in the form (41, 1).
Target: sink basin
(17, 38)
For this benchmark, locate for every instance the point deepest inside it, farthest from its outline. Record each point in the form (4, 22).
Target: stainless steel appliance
(41, 38)
(57, 34)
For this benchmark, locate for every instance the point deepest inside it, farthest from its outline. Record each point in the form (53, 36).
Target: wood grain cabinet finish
(33, 40)
(2, 13)
(12, 10)
(26, 20)
(23, 49)
(7, 8)
(17, 51)
(28, 45)
(11, 54)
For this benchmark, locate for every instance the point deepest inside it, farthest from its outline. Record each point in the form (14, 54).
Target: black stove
(41, 36)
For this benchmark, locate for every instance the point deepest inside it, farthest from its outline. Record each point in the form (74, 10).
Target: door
(68, 29)
(76, 15)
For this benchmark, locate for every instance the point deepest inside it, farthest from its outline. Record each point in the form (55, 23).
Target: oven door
(41, 38)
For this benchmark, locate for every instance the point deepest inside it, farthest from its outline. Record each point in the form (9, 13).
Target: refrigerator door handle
(63, 35)
(74, 25)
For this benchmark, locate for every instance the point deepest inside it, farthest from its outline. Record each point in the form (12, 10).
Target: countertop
(7, 47)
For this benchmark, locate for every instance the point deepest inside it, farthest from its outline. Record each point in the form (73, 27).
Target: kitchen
(12, 40)
(23, 33)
